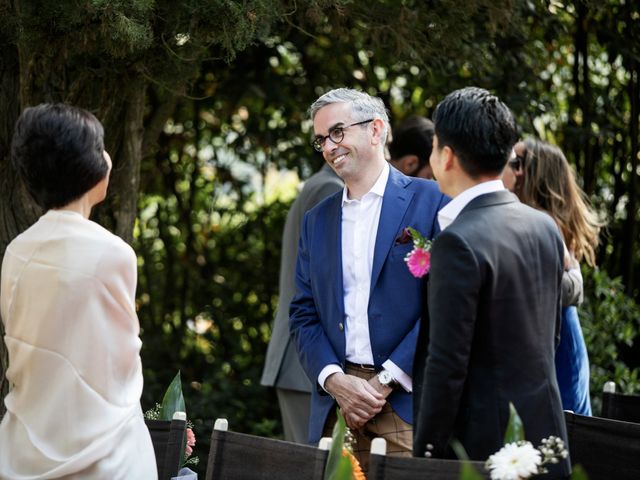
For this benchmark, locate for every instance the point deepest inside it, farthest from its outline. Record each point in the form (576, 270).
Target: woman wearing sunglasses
(542, 178)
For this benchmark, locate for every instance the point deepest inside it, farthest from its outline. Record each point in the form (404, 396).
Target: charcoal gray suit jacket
(282, 367)
(493, 321)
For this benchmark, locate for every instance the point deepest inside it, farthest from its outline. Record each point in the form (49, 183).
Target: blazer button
(341, 326)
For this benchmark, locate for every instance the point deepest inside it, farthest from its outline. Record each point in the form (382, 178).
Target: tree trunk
(29, 77)
(16, 212)
(586, 133)
(119, 211)
(574, 137)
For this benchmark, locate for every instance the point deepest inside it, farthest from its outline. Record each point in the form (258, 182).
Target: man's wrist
(331, 383)
(385, 378)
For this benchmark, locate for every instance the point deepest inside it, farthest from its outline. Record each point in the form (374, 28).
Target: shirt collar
(377, 189)
(451, 210)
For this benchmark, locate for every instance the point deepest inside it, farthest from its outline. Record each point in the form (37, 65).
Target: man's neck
(466, 182)
(358, 187)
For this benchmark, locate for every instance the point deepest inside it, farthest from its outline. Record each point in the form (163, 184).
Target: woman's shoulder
(69, 240)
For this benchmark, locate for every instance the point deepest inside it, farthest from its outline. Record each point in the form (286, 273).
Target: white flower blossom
(514, 461)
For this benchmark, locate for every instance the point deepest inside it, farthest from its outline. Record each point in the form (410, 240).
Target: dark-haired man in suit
(493, 294)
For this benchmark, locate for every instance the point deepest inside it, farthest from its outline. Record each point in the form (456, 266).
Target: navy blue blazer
(395, 305)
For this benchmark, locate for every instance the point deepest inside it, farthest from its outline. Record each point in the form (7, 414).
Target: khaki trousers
(386, 424)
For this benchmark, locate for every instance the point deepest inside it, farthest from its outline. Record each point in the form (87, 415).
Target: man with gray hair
(355, 315)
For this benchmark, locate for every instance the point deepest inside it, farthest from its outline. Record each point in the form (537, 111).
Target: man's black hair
(414, 136)
(478, 127)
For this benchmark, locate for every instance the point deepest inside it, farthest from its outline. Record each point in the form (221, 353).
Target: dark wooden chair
(168, 444)
(605, 448)
(239, 456)
(619, 406)
(383, 467)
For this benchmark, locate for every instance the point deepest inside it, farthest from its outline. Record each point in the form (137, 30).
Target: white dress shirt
(360, 219)
(451, 210)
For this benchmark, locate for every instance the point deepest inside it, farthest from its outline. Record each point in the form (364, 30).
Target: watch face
(385, 377)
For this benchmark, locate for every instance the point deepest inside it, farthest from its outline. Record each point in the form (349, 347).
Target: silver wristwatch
(386, 379)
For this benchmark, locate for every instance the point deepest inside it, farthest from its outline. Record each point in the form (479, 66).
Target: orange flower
(358, 474)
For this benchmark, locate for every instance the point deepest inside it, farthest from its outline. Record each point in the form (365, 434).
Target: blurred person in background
(410, 147)
(540, 175)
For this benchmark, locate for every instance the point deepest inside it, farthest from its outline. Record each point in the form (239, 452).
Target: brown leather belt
(360, 365)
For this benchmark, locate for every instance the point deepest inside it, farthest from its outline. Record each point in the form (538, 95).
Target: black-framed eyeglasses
(336, 135)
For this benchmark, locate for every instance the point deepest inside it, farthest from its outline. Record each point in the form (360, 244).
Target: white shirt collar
(377, 189)
(450, 211)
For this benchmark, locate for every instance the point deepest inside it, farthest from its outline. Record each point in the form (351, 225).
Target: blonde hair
(550, 184)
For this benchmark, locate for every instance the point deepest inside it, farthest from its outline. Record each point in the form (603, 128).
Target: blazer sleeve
(572, 287)
(403, 354)
(453, 295)
(314, 349)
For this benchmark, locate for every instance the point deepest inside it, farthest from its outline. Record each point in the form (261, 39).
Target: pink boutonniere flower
(419, 259)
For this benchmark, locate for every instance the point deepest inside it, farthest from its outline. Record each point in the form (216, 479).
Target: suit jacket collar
(490, 199)
(395, 202)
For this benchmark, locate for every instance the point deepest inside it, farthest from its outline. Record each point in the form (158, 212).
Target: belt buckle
(362, 366)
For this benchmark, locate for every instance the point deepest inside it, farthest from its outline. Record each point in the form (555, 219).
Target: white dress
(67, 298)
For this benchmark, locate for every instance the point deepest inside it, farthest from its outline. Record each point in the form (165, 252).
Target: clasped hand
(359, 400)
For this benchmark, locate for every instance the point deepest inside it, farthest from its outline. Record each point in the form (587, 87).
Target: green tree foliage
(610, 323)
(250, 117)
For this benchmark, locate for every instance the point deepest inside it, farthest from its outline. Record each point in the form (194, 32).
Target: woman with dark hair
(542, 178)
(67, 300)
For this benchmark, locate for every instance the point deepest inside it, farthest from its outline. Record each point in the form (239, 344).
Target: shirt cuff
(398, 375)
(326, 371)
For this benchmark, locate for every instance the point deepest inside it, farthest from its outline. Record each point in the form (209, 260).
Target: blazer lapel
(394, 206)
(334, 250)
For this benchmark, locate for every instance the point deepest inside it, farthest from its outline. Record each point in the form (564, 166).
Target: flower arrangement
(419, 259)
(172, 402)
(518, 459)
(341, 463)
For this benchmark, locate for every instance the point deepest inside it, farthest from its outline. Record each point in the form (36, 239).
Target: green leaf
(459, 450)
(334, 460)
(173, 400)
(468, 471)
(515, 429)
(578, 473)
(344, 470)
(416, 235)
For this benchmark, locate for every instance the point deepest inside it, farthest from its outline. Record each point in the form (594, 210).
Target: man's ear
(449, 158)
(408, 164)
(378, 129)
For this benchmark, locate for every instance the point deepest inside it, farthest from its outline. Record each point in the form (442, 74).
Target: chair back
(168, 438)
(383, 467)
(239, 456)
(620, 406)
(605, 448)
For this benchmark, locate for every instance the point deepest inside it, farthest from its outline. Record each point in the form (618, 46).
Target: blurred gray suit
(282, 367)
